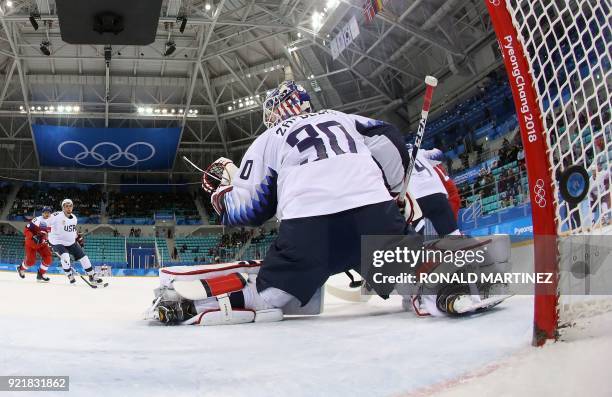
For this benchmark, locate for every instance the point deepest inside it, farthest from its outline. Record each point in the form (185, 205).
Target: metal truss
(237, 50)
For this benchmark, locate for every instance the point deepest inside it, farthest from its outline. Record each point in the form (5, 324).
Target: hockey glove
(38, 237)
(80, 240)
(219, 173)
(409, 208)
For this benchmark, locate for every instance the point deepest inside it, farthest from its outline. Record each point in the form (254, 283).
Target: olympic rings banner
(111, 148)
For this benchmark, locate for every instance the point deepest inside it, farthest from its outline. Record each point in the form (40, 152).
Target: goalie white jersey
(316, 164)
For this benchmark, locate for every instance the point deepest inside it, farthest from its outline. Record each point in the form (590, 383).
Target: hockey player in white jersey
(66, 241)
(431, 195)
(330, 178)
(327, 176)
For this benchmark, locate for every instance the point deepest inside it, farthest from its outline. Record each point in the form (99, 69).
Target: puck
(574, 184)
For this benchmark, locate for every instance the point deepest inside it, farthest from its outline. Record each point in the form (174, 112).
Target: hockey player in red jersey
(36, 242)
(454, 199)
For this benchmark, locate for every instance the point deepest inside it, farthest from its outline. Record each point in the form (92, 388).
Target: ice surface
(359, 349)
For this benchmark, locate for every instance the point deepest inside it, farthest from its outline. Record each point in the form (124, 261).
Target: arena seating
(465, 132)
(105, 248)
(140, 208)
(31, 198)
(11, 248)
(192, 247)
(502, 187)
(204, 198)
(259, 246)
(164, 252)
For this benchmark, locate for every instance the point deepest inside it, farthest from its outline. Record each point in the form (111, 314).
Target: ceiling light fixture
(33, 22)
(183, 23)
(44, 48)
(170, 48)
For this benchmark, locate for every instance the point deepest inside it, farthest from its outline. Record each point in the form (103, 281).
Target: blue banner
(521, 228)
(112, 148)
(471, 173)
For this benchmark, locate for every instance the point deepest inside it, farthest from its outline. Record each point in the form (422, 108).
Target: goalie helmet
(288, 100)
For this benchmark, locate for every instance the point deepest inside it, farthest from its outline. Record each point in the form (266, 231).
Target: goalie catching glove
(219, 173)
(217, 180)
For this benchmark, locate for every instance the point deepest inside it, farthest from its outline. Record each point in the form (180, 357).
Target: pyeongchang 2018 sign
(110, 148)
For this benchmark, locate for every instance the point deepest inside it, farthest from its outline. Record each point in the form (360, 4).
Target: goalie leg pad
(239, 316)
(226, 300)
(189, 273)
(207, 288)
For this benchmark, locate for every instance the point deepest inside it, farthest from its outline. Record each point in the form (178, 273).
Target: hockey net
(557, 55)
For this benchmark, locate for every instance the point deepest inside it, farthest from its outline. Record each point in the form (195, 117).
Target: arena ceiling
(229, 54)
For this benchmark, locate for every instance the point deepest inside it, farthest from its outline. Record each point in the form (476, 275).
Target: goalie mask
(288, 100)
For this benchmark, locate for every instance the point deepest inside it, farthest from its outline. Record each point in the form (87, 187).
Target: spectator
(465, 159)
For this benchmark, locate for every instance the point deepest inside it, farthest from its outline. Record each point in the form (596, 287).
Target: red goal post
(539, 178)
(555, 54)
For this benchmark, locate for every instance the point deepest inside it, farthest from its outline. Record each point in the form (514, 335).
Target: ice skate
(42, 277)
(21, 271)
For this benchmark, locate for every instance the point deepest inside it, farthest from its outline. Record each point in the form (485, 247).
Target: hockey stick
(431, 83)
(201, 170)
(352, 295)
(191, 163)
(103, 285)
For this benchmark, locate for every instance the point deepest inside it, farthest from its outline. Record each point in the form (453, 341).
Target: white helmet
(66, 201)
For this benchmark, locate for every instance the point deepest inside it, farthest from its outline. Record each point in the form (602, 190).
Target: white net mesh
(567, 45)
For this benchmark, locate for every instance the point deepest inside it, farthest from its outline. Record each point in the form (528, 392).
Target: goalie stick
(191, 163)
(431, 83)
(201, 170)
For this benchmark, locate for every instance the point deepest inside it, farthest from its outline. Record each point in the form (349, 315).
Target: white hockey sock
(86, 263)
(267, 299)
(65, 259)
